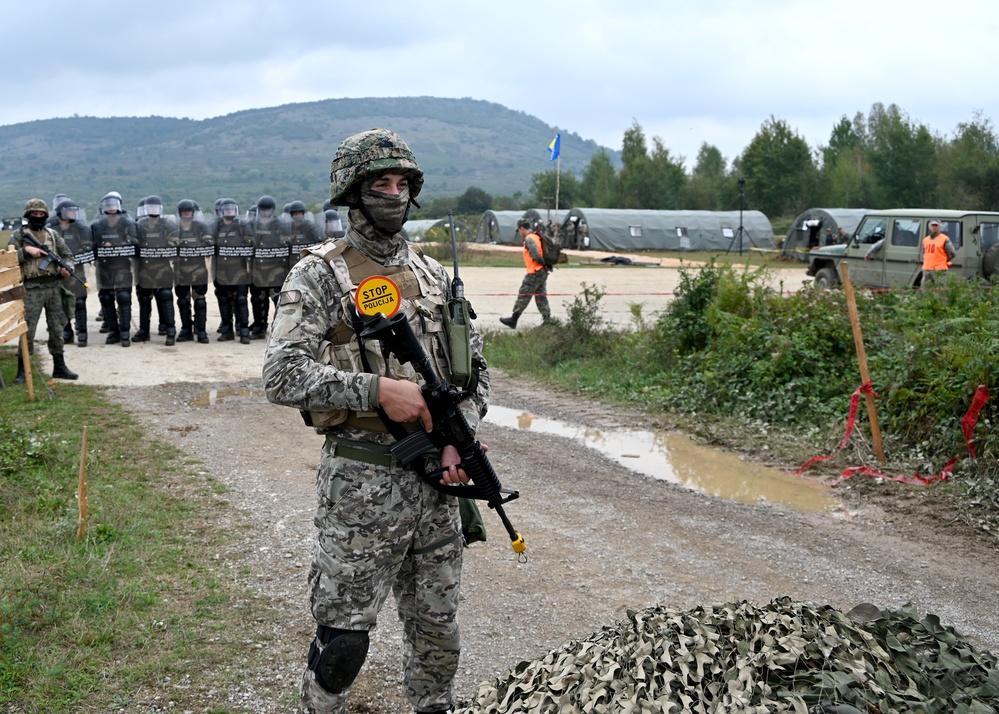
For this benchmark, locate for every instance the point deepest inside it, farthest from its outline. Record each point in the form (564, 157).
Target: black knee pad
(336, 657)
(124, 297)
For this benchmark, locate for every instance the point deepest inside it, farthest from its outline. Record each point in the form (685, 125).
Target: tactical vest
(31, 269)
(195, 249)
(269, 265)
(232, 254)
(115, 249)
(157, 253)
(423, 302)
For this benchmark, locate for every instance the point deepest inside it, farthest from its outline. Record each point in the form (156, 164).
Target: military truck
(886, 249)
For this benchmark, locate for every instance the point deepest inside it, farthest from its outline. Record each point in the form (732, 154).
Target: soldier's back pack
(551, 249)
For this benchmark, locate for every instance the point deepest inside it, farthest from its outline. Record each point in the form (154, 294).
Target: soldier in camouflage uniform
(269, 265)
(157, 268)
(80, 242)
(196, 247)
(42, 287)
(381, 527)
(233, 250)
(115, 242)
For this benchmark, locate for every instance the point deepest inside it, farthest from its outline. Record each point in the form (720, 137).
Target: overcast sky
(688, 72)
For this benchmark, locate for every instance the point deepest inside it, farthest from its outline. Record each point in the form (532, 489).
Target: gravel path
(601, 540)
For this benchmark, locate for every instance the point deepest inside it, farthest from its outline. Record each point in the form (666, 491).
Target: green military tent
(812, 228)
(612, 229)
(498, 227)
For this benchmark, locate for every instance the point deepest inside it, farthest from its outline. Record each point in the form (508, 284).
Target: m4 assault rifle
(50, 257)
(450, 426)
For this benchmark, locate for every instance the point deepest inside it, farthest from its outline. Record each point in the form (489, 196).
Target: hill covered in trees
(283, 151)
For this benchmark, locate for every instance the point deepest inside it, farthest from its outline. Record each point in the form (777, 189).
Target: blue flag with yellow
(554, 147)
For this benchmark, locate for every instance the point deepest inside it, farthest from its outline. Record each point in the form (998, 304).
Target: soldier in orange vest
(535, 283)
(938, 251)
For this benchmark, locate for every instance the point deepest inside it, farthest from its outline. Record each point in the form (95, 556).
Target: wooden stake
(81, 496)
(865, 375)
(29, 381)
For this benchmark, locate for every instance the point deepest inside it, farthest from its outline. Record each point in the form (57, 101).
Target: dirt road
(601, 539)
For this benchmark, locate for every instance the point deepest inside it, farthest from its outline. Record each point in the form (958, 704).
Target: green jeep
(885, 251)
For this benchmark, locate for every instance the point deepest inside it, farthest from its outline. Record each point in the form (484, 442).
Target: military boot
(242, 314)
(201, 320)
(186, 333)
(125, 316)
(60, 370)
(145, 313)
(225, 329)
(110, 321)
(81, 322)
(171, 336)
(20, 378)
(67, 333)
(510, 322)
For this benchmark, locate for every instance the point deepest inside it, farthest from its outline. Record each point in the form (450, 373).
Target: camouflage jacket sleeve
(308, 309)
(532, 248)
(950, 250)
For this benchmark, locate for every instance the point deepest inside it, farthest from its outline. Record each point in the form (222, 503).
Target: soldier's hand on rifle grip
(33, 251)
(450, 459)
(403, 402)
(450, 473)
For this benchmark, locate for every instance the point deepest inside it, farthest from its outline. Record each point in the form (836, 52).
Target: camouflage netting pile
(786, 656)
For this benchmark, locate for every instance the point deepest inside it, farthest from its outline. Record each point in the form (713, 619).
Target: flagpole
(558, 178)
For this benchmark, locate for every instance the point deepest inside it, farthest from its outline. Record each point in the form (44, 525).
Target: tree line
(879, 160)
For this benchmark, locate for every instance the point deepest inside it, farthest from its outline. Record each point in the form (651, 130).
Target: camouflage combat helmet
(35, 204)
(367, 155)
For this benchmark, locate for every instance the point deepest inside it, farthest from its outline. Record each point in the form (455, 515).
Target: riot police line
(173, 257)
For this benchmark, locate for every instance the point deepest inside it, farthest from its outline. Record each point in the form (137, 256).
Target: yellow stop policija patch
(377, 294)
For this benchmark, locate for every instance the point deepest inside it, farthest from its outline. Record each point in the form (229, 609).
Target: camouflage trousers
(535, 285)
(930, 277)
(383, 529)
(45, 296)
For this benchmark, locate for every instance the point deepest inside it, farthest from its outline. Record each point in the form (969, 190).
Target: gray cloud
(688, 72)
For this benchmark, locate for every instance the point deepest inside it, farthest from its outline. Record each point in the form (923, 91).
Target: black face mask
(36, 223)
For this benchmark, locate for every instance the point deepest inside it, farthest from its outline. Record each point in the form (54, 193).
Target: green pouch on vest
(472, 526)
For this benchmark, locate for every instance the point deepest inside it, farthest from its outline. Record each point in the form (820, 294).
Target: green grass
(738, 364)
(104, 623)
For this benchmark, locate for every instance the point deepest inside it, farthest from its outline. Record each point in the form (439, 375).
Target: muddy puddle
(678, 459)
(660, 455)
(211, 397)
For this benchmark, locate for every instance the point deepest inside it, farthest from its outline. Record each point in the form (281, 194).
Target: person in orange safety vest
(535, 284)
(938, 251)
